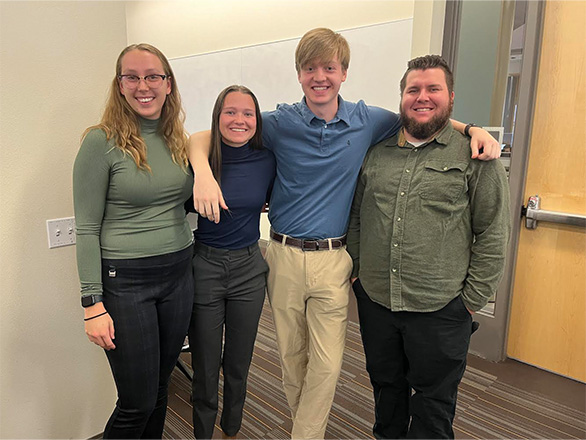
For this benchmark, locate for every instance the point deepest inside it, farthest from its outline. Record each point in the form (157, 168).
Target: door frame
(490, 341)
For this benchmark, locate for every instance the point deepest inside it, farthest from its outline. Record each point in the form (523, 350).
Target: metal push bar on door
(533, 213)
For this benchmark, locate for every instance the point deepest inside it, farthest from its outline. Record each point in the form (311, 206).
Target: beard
(425, 130)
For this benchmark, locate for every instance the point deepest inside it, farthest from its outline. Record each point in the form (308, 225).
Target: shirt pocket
(442, 181)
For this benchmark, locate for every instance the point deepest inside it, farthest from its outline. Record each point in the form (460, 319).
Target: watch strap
(468, 127)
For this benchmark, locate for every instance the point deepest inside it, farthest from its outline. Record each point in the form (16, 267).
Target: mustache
(425, 130)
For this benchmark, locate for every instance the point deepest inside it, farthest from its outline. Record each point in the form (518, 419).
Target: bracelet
(95, 316)
(467, 129)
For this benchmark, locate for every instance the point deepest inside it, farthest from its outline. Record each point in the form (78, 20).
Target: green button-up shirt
(428, 223)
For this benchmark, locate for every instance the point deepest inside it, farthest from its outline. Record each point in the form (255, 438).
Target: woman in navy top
(229, 270)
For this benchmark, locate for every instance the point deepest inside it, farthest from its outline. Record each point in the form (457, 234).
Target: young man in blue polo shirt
(319, 144)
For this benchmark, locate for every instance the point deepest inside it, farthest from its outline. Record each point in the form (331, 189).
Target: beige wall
(185, 27)
(428, 27)
(56, 61)
(189, 27)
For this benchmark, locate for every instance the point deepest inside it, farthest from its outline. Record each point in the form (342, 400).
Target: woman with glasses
(229, 270)
(134, 245)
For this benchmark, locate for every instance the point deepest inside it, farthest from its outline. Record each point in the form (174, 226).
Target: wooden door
(547, 319)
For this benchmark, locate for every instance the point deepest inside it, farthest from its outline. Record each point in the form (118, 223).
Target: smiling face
(145, 101)
(426, 103)
(321, 83)
(237, 119)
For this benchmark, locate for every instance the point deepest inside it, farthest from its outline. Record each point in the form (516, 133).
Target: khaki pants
(309, 293)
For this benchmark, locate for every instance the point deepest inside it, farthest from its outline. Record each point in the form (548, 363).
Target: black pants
(415, 362)
(229, 295)
(149, 300)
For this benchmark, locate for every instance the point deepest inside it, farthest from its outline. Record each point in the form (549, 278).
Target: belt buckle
(314, 243)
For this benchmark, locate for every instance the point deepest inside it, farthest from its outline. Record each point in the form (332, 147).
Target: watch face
(87, 301)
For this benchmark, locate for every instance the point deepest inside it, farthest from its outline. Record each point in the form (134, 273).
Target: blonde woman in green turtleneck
(134, 245)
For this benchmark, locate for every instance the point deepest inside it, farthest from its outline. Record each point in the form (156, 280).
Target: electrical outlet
(61, 232)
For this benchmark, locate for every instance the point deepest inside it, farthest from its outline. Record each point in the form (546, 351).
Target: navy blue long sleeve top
(247, 180)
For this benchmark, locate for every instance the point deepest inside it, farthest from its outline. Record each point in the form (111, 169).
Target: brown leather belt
(309, 245)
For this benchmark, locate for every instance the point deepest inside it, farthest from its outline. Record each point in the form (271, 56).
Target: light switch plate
(61, 232)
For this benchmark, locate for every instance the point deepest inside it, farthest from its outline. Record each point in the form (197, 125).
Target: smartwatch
(467, 129)
(90, 300)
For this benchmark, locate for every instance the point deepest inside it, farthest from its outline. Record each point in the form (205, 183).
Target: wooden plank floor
(507, 400)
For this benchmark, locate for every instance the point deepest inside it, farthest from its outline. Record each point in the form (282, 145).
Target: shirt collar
(341, 114)
(148, 125)
(442, 137)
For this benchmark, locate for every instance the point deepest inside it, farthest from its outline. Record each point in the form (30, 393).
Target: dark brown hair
(215, 156)
(429, 62)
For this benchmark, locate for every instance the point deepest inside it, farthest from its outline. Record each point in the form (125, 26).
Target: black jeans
(229, 295)
(415, 362)
(149, 300)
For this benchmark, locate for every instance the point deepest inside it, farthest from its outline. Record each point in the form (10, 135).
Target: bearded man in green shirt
(428, 234)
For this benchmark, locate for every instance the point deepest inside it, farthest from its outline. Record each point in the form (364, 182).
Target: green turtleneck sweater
(122, 212)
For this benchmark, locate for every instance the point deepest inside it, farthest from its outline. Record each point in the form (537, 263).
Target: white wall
(56, 61)
(266, 69)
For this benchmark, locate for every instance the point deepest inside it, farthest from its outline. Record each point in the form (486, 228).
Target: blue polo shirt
(318, 164)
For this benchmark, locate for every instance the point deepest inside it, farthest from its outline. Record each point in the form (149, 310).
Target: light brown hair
(121, 123)
(324, 45)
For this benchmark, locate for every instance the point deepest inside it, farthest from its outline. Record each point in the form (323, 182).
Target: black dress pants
(415, 362)
(229, 295)
(149, 300)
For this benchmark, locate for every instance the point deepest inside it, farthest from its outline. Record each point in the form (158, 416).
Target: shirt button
(394, 270)
(395, 244)
(415, 149)
(407, 170)
(445, 168)
(402, 193)
(398, 219)
(325, 126)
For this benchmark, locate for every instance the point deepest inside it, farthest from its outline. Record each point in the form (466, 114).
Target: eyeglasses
(153, 81)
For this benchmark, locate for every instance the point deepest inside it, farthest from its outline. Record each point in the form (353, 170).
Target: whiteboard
(379, 55)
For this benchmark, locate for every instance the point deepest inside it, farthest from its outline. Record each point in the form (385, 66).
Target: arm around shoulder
(199, 150)
(207, 195)
(385, 123)
(482, 144)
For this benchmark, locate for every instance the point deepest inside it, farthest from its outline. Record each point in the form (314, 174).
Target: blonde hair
(121, 123)
(324, 45)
